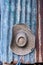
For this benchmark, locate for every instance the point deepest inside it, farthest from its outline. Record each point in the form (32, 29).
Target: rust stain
(39, 32)
(37, 40)
(42, 41)
(41, 12)
(37, 47)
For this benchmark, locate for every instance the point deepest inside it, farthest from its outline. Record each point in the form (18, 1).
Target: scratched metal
(14, 12)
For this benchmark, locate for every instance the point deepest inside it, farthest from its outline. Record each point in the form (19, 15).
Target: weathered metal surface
(41, 13)
(14, 12)
(39, 35)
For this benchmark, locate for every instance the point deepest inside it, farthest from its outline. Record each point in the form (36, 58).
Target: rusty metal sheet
(41, 14)
(39, 32)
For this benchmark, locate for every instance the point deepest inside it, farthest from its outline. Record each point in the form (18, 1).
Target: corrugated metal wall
(14, 12)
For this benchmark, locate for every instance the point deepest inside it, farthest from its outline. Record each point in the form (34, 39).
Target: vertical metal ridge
(2, 17)
(0, 29)
(41, 15)
(33, 19)
(22, 11)
(10, 21)
(17, 11)
(39, 40)
(27, 12)
(39, 32)
(4, 32)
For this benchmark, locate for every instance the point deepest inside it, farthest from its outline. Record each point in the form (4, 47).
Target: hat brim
(30, 44)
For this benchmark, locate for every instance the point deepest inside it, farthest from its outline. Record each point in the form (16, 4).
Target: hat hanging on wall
(23, 40)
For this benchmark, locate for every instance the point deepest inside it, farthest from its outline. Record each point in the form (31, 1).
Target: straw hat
(23, 40)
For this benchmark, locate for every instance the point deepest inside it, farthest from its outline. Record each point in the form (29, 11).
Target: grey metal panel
(14, 12)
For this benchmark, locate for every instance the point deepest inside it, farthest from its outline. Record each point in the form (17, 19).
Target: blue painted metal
(14, 12)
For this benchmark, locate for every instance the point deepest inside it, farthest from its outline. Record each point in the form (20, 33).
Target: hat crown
(21, 38)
